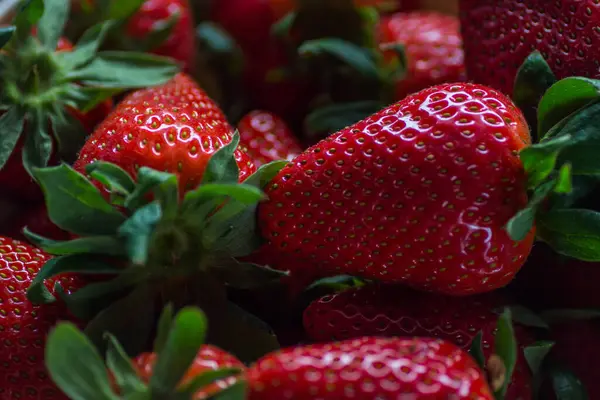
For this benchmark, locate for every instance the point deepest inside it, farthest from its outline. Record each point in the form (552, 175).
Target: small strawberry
(387, 310)
(267, 138)
(419, 193)
(433, 47)
(500, 35)
(369, 368)
(174, 127)
(47, 85)
(24, 326)
(180, 366)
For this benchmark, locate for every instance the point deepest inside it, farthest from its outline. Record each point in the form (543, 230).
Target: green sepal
(215, 39)
(138, 231)
(536, 353)
(564, 180)
(526, 317)
(222, 166)
(112, 177)
(159, 34)
(6, 34)
(76, 366)
(11, 126)
(185, 338)
(165, 322)
(533, 79)
(244, 275)
(113, 69)
(265, 174)
(123, 371)
(69, 134)
(564, 98)
(37, 148)
(86, 98)
(567, 386)
(568, 315)
(396, 69)
(66, 189)
(334, 117)
(358, 58)
(283, 26)
(37, 292)
(236, 234)
(505, 346)
(27, 16)
(334, 284)
(572, 232)
(237, 391)
(476, 350)
(122, 9)
(107, 245)
(87, 46)
(148, 180)
(205, 379)
(521, 223)
(52, 22)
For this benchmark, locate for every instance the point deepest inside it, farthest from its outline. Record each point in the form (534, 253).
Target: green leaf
(111, 176)
(335, 117)
(265, 174)
(236, 391)
(66, 189)
(536, 353)
(28, 15)
(505, 346)
(183, 343)
(539, 160)
(215, 38)
(75, 366)
(235, 234)
(574, 232)
(148, 180)
(123, 371)
(11, 126)
(222, 167)
(138, 231)
(87, 46)
(130, 319)
(208, 378)
(243, 275)
(114, 69)
(108, 245)
(245, 194)
(533, 79)
(52, 22)
(526, 317)
(282, 27)
(521, 224)
(563, 98)
(37, 292)
(567, 385)
(6, 33)
(476, 349)
(569, 315)
(123, 9)
(38, 143)
(164, 327)
(356, 57)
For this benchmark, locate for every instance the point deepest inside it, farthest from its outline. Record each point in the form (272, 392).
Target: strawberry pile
(273, 199)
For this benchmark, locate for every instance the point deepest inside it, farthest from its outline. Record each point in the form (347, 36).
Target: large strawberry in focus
(180, 366)
(418, 193)
(369, 368)
(389, 311)
(267, 137)
(500, 34)
(433, 48)
(24, 326)
(50, 96)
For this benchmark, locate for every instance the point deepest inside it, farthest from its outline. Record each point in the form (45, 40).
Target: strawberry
(184, 366)
(433, 48)
(387, 310)
(174, 127)
(24, 326)
(417, 193)
(499, 35)
(267, 137)
(369, 368)
(47, 85)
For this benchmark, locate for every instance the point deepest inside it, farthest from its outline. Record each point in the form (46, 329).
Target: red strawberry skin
(181, 43)
(175, 128)
(209, 358)
(267, 137)
(23, 326)
(418, 193)
(368, 369)
(433, 48)
(388, 310)
(500, 34)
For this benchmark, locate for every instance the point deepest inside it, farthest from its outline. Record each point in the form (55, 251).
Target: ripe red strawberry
(184, 366)
(499, 35)
(433, 47)
(419, 193)
(388, 310)
(23, 326)
(369, 368)
(267, 138)
(174, 127)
